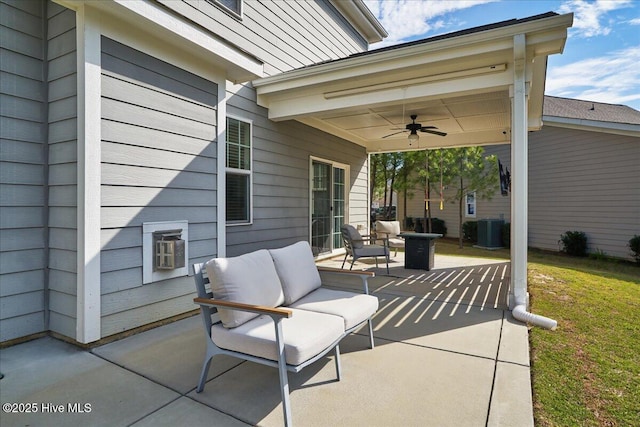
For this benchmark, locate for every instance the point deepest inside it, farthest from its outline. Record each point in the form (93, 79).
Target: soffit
(460, 84)
(163, 26)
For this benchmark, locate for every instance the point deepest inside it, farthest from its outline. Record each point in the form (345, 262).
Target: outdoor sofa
(269, 307)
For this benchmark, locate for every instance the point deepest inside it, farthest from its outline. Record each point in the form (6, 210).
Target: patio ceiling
(462, 83)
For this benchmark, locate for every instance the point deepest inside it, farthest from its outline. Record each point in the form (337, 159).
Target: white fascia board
(361, 18)
(377, 63)
(627, 129)
(551, 31)
(239, 66)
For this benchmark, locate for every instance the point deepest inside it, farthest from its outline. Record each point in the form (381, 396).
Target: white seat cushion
(395, 242)
(297, 270)
(306, 334)
(353, 308)
(249, 279)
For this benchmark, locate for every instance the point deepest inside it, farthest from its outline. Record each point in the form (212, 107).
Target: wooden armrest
(341, 271)
(272, 311)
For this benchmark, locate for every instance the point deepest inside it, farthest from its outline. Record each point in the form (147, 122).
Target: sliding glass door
(328, 205)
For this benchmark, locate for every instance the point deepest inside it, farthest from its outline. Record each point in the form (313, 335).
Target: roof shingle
(590, 110)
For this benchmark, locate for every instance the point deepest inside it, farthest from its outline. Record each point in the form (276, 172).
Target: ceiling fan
(413, 129)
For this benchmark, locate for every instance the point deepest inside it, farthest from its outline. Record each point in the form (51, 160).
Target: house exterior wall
(579, 180)
(23, 168)
(283, 34)
(158, 154)
(159, 110)
(63, 169)
(281, 200)
(584, 181)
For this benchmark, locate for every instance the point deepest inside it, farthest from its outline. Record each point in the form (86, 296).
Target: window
(238, 163)
(470, 203)
(233, 6)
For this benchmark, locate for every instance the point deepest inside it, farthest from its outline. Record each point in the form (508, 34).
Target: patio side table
(419, 250)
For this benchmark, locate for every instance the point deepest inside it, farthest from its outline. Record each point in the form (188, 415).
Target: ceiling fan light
(413, 137)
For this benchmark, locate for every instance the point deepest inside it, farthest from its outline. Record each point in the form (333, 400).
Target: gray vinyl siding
(63, 169)
(281, 158)
(584, 181)
(283, 34)
(158, 155)
(22, 169)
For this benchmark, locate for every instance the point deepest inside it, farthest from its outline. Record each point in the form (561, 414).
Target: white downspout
(519, 296)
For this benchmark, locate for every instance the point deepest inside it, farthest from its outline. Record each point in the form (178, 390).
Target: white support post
(519, 176)
(88, 170)
(221, 178)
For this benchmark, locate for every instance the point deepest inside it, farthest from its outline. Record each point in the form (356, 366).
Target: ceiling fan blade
(423, 128)
(395, 133)
(434, 132)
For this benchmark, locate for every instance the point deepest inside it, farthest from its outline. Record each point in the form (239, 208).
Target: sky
(601, 59)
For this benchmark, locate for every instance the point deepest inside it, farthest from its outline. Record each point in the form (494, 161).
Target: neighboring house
(584, 175)
(130, 121)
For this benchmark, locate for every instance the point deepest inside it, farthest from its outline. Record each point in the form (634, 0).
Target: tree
(385, 169)
(406, 181)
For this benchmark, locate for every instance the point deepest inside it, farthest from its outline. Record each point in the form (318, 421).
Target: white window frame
(347, 190)
(470, 213)
(236, 171)
(236, 14)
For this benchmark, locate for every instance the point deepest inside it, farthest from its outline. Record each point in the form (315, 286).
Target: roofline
(627, 129)
(466, 31)
(438, 43)
(361, 18)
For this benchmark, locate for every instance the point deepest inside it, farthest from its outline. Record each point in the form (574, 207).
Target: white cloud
(635, 21)
(591, 17)
(404, 19)
(613, 78)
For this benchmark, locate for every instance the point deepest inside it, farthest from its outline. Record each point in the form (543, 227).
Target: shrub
(506, 235)
(470, 231)
(438, 226)
(574, 243)
(634, 245)
(409, 224)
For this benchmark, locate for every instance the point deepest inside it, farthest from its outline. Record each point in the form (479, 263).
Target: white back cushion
(297, 270)
(249, 279)
(392, 228)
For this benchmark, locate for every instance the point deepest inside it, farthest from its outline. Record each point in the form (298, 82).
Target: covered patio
(448, 353)
(480, 86)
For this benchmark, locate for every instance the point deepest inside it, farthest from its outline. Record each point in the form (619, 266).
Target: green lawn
(587, 372)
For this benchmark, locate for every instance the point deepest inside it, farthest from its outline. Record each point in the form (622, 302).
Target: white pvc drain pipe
(520, 312)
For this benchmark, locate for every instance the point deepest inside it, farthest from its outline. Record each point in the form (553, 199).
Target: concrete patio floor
(447, 353)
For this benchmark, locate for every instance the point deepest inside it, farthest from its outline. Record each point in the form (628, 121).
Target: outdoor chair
(388, 231)
(359, 246)
(271, 309)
